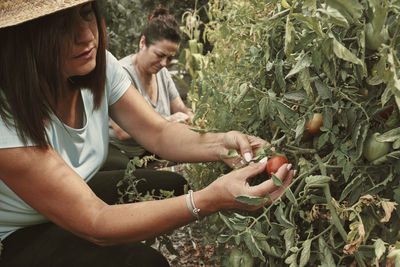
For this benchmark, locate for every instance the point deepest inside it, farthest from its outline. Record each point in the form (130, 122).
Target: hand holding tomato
(224, 190)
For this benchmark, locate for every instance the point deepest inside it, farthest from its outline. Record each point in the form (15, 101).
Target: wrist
(205, 202)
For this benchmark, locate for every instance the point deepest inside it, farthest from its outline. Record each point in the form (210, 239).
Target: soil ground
(188, 242)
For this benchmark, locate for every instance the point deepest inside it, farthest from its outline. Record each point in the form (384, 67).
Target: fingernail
(247, 156)
(242, 162)
(289, 166)
(294, 173)
(264, 160)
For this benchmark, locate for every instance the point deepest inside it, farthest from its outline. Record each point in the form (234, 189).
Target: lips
(86, 54)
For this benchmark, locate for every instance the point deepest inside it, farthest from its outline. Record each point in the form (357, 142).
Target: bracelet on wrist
(191, 206)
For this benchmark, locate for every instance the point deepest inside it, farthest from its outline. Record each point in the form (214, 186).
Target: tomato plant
(313, 126)
(374, 149)
(239, 258)
(274, 163)
(275, 63)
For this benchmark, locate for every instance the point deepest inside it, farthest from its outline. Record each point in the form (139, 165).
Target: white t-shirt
(84, 150)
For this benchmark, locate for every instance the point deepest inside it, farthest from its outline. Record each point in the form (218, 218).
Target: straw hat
(13, 12)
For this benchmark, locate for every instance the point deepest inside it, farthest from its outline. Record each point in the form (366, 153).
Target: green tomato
(239, 258)
(374, 149)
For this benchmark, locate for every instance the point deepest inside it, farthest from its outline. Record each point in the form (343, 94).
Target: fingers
(244, 146)
(285, 174)
(252, 169)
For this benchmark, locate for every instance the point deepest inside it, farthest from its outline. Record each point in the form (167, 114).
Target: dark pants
(49, 245)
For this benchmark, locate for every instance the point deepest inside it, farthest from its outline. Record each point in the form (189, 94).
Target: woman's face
(157, 55)
(81, 55)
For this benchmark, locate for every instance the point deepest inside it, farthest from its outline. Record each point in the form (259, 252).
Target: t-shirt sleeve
(9, 137)
(172, 91)
(117, 81)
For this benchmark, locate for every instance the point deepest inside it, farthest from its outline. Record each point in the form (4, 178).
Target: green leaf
(379, 187)
(223, 238)
(305, 253)
(311, 5)
(280, 216)
(355, 183)
(258, 235)
(289, 194)
(295, 95)
(342, 52)
(389, 136)
(276, 180)
(323, 91)
(239, 226)
(263, 107)
(232, 153)
(386, 158)
(253, 246)
(304, 78)
(226, 221)
(250, 200)
(396, 144)
(346, 7)
(335, 16)
(380, 248)
(289, 38)
(317, 179)
(325, 254)
(302, 62)
(292, 260)
(288, 235)
(347, 169)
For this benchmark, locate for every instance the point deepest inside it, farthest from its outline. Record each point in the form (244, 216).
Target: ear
(142, 42)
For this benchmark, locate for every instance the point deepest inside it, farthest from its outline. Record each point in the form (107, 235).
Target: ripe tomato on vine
(275, 163)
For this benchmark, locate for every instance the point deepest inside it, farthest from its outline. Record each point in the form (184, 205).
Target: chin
(85, 70)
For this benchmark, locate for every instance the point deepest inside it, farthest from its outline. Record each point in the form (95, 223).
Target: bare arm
(177, 106)
(119, 133)
(44, 181)
(174, 141)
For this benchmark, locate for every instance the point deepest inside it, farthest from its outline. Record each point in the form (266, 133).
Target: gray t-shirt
(166, 87)
(166, 93)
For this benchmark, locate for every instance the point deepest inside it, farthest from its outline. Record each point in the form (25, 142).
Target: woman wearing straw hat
(58, 87)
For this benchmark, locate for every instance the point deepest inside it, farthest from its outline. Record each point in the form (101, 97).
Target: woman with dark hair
(58, 87)
(147, 70)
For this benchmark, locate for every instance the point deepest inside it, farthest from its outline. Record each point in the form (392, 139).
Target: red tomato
(274, 163)
(313, 126)
(385, 114)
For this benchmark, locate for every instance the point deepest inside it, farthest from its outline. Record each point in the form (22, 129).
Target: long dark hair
(161, 26)
(31, 76)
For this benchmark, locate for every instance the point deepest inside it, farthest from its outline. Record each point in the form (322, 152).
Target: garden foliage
(273, 65)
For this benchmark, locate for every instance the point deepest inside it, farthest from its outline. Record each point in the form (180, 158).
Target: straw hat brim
(13, 12)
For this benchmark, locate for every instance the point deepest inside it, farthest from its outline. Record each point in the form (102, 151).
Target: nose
(164, 62)
(83, 33)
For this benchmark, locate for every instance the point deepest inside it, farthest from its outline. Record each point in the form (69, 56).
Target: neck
(69, 109)
(144, 75)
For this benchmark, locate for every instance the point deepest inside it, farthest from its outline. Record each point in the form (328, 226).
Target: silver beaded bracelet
(190, 204)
